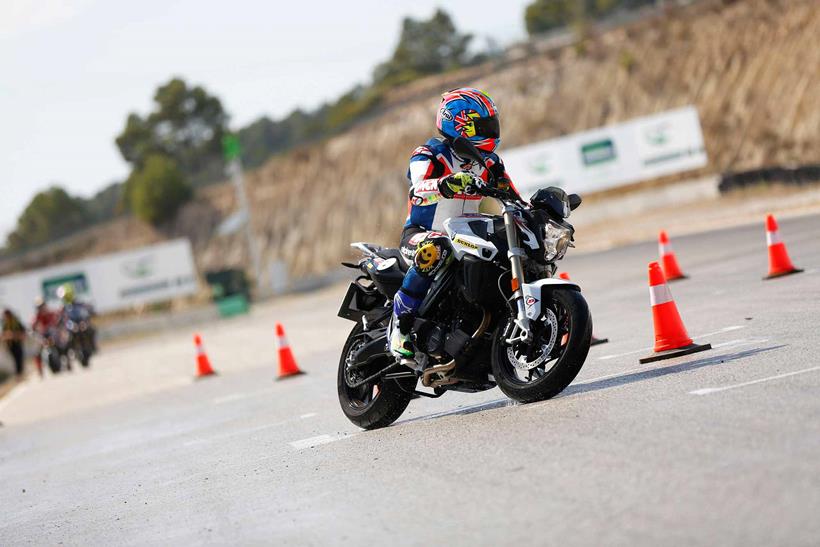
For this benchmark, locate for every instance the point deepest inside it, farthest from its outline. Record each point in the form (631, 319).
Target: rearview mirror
(574, 201)
(467, 150)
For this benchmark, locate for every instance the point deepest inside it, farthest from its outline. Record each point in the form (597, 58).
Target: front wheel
(53, 360)
(545, 367)
(377, 403)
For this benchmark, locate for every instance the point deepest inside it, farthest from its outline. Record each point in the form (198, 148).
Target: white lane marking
(221, 469)
(15, 392)
(316, 441)
(241, 432)
(708, 390)
(239, 396)
(308, 415)
(740, 342)
(229, 398)
(721, 331)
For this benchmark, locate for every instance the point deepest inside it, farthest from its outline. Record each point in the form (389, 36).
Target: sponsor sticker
(530, 301)
(416, 239)
(466, 243)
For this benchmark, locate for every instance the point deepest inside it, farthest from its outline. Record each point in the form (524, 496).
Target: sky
(72, 70)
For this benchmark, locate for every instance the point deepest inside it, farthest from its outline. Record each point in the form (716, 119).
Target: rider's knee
(432, 253)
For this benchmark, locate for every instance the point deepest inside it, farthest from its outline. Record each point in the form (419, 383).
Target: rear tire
(374, 405)
(575, 323)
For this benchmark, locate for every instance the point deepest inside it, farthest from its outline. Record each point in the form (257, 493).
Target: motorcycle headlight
(556, 240)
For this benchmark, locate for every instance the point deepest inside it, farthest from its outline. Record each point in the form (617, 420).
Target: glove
(502, 184)
(500, 176)
(456, 183)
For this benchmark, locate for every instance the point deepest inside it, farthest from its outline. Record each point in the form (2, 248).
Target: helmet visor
(487, 127)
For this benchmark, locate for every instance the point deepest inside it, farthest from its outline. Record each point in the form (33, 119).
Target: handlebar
(489, 192)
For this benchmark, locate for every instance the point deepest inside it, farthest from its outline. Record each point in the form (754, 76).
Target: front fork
(521, 330)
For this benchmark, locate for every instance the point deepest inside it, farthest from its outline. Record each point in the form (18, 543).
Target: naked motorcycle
(494, 316)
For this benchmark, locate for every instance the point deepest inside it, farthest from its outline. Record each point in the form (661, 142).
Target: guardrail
(790, 175)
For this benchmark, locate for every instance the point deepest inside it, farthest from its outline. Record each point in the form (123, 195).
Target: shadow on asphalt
(614, 381)
(498, 403)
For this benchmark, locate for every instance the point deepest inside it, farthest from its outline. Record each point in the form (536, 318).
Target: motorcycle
(77, 324)
(494, 316)
(54, 347)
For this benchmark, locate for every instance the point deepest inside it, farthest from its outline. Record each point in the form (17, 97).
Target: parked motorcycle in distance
(494, 316)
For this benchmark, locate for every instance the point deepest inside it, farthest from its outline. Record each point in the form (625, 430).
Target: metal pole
(235, 169)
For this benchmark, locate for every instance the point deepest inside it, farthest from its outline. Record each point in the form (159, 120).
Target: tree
(545, 15)
(157, 190)
(187, 125)
(51, 214)
(106, 204)
(425, 47)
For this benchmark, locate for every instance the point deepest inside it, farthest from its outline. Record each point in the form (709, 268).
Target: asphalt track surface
(716, 448)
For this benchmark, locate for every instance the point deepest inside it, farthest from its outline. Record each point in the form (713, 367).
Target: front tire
(53, 360)
(375, 404)
(559, 365)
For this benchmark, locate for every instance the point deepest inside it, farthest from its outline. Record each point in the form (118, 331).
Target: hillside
(751, 67)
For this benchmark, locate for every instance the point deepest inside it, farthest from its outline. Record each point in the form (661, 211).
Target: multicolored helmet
(66, 293)
(470, 113)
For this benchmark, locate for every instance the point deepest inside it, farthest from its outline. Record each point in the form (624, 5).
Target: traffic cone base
(289, 375)
(672, 353)
(781, 274)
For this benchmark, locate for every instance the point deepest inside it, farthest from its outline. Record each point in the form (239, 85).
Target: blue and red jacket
(427, 208)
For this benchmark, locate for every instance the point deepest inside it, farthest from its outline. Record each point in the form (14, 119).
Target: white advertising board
(109, 282)
(607, 157)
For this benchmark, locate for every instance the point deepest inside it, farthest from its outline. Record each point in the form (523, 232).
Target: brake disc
(548, 339)
(352, 377)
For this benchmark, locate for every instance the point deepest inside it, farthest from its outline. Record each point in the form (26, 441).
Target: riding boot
(401, 324)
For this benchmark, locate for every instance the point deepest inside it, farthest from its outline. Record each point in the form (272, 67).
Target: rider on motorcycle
(43, 324)
(438, 179)
(77, 312)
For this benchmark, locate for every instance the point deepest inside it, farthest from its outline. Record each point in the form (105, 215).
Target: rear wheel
(545, 367)
(374, 404)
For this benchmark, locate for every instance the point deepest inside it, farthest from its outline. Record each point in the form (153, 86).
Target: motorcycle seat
(394, 253)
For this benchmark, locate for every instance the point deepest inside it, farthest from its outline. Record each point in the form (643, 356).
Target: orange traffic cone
(779, 262)
(670, 264)
(671, 339)
(593, 341)
(287, 364)
(203, 364)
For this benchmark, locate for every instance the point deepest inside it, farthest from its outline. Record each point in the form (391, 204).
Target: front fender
(536, 291)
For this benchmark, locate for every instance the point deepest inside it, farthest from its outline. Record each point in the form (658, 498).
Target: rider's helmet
(66, 293)
(39, 303)
(470, 113)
